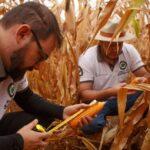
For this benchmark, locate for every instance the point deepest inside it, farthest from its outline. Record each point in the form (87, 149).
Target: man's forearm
(88, 95)
(32, 103)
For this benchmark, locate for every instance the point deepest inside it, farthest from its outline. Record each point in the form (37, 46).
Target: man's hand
(70, 110)
(138, 80)
(33, 140)
(115, 89)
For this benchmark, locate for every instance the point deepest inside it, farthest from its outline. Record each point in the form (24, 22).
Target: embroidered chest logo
(11, 90)
(123, 65)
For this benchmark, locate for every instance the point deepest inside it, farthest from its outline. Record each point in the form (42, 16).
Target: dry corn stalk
(122, 97)
(124, 133)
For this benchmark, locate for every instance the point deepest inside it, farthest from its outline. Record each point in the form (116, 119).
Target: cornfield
(57, 78)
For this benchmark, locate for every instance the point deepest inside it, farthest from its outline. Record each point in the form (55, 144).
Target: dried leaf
(124, 133)
(106, 13)
(127, 17)
(105, 129)
(2, 10)
(136, 26)
(122, 23)
(146, 143)
(87, 143)
(69, 24)
(109, 136)
(83, 29)
(122, 98)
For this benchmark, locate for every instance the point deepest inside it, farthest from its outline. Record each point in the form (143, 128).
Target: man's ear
(23, 35)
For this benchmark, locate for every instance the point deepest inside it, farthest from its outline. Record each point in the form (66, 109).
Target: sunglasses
(43, 55)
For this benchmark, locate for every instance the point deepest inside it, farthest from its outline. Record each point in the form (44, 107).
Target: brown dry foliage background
(57, 78)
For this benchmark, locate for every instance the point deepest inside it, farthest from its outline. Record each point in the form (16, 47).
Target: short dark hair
(39, 17)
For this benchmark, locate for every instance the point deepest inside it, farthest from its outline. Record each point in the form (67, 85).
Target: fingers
(132, 91)
(123, 84)
(42, 140)
(85, 121)
(32, 124)
(81, 106)
(138, 80)
(69, 110)
(80, 124)
(42, 144)
(143, 80)
(45, 135)
(89, 119)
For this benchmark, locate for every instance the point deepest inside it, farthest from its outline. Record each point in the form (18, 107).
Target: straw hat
(108, 30)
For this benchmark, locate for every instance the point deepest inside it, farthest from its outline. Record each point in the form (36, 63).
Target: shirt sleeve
(135, 59)
(34, 104)
(11, 142)
(21, 84)
(85, 69)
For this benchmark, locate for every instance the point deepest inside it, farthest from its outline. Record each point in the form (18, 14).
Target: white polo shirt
(93, 68)
(8, 89)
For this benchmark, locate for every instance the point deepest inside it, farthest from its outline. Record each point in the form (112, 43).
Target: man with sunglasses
(105, 68)
(28, 34)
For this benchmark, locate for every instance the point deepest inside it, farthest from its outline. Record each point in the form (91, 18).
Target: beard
(17, 61)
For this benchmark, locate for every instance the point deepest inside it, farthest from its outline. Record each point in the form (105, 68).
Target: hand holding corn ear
(32, 139)
(94, 109)
(75, 115)
(70, 110)
(139, 80)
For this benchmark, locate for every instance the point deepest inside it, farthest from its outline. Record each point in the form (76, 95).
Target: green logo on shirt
(123, 65)
(11, 90)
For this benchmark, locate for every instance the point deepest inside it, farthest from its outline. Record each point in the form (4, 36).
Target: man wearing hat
(105, 68)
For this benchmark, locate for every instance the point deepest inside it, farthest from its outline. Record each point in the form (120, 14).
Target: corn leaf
(127, 17)
(124, 133)
(136, 26)
(122, 98)
(105, 15)
(87, 143)
(146, 143)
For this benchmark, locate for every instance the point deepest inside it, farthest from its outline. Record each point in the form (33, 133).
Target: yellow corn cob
(91, 111)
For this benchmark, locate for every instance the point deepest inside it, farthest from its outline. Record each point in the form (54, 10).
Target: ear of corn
(91, 111)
